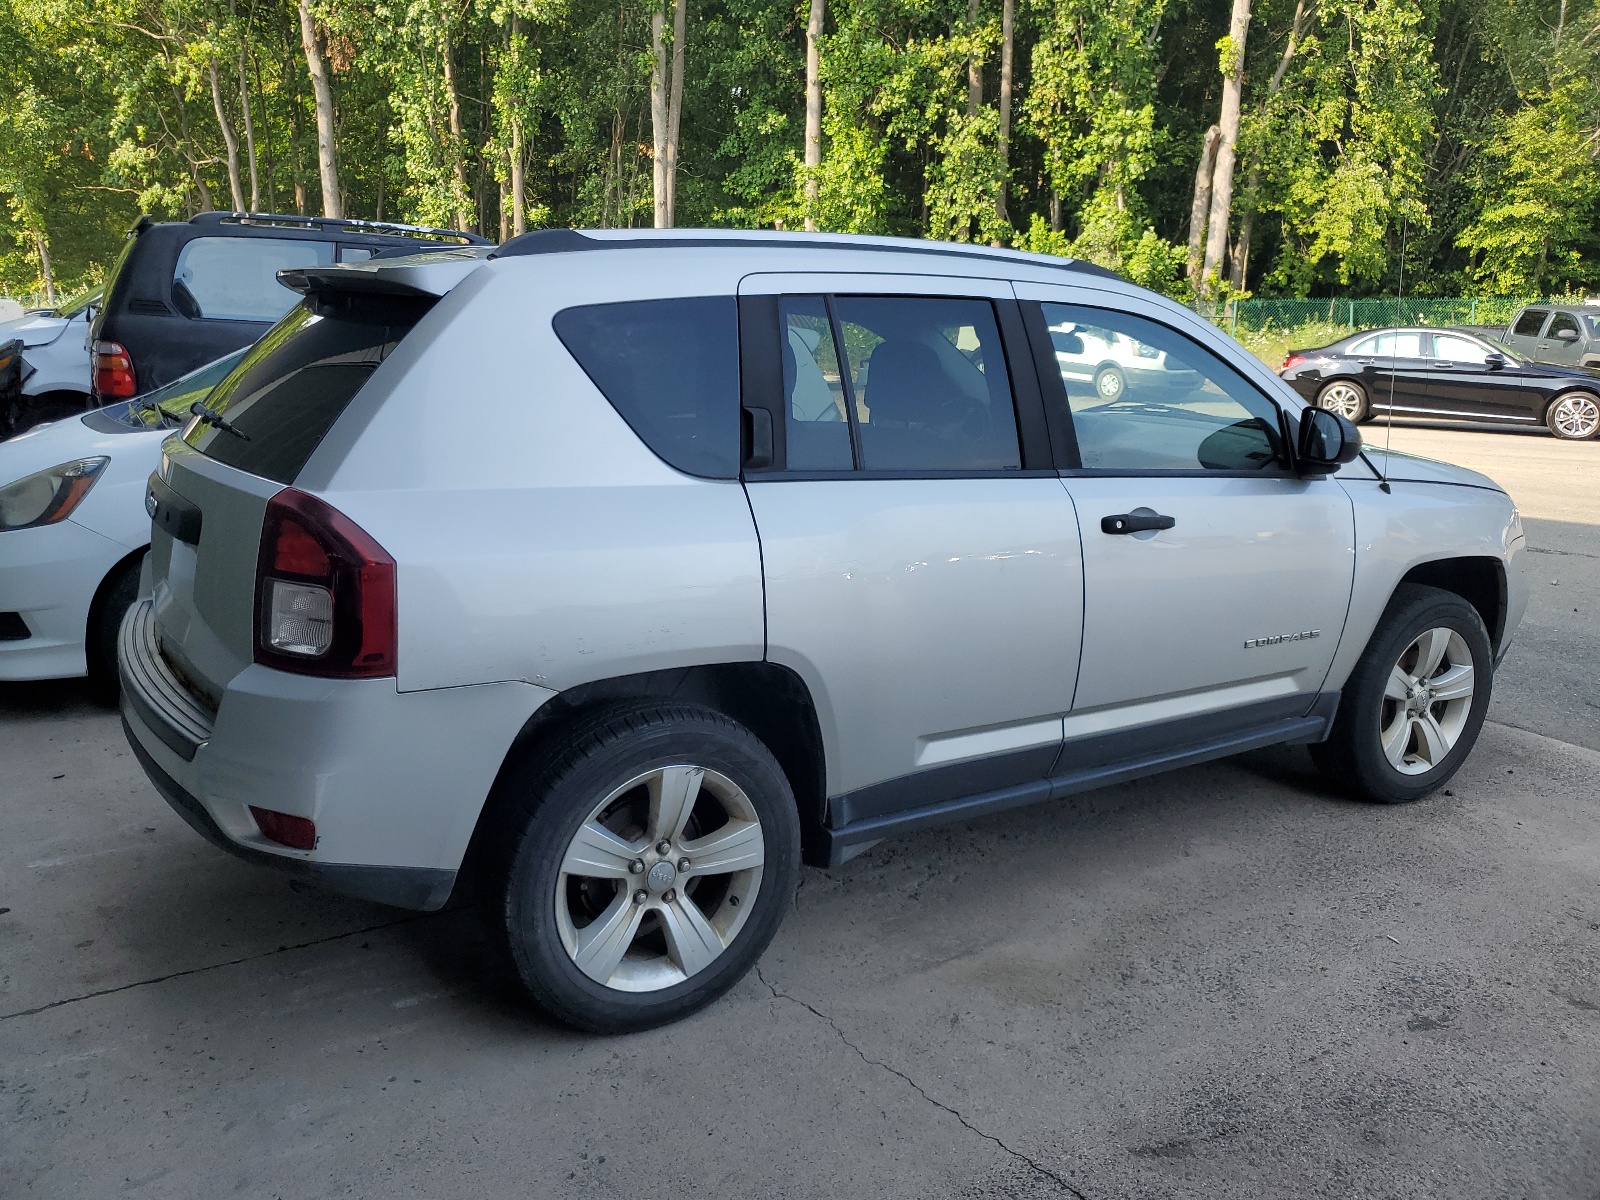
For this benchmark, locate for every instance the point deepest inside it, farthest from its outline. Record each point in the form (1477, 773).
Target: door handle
(1135, 523)
(1440, 366)
(1367, 362)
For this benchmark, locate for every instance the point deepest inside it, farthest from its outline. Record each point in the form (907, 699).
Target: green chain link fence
(1259, 316)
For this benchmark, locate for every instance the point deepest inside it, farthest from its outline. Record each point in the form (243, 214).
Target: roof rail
(566, 241)
(340, 224)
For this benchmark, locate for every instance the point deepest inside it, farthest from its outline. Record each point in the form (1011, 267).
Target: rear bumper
(421, 888)
(394, 781)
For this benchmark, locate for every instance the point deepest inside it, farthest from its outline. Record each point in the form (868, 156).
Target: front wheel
(1412, 708)
(650, 861)
(1347, 399)
(1110, 382)
(1574, 416)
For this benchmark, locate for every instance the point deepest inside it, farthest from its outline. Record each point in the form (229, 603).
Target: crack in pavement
(1562, 553)
(232, 962)
(917, 1087)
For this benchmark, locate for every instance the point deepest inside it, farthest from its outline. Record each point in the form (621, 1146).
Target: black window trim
(761, 387)
(1061, 409)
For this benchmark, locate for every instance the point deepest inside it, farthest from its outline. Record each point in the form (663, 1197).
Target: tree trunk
(1008, 17)
(46, 275)
(813, 158)
(249, 136)
(974, 65)
(680, 42)
(658, 116)
(1240, 265)
(229, 139)
(1222, 176)
(458, 142)
(519, 170)
(1200, 210)
(322, 90)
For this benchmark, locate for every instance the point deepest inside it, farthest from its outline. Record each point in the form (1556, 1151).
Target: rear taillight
(1292, 360)
(324, 593)
(112, 371)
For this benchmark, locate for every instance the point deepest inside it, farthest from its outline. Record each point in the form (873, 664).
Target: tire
(1347, 398)
(117, 594)
(1390, 743)
(672, 947)
(1573, 416)
(1110, 383)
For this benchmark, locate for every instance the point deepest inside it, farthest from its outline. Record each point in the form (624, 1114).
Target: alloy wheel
(1575, 417)
(659, 878)
(1426, 701)
(1342, 398)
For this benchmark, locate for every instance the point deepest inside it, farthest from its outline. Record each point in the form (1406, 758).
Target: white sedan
(73, 529)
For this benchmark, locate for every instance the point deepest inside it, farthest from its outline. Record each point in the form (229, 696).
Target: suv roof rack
(566, 241)
(339, 224)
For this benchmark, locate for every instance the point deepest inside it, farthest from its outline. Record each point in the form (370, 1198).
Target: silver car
(619, 573)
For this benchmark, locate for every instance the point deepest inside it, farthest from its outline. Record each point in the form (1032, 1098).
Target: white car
(55, 361)
(742, 547)
(1107, 358)
(73, 528)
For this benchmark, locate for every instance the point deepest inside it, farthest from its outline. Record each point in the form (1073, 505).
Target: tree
(1231, 50)
(322, 89)
(666, 106)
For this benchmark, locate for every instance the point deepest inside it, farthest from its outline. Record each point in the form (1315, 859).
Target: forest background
(1206, 148)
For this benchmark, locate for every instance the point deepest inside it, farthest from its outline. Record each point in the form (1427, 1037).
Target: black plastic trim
(425, 889)
(178, 517)
(174, 739)
(13, 628)
(1016, 768)
(1082, 765)
(1052, 388)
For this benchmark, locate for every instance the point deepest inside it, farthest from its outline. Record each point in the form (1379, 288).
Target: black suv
(182, 294)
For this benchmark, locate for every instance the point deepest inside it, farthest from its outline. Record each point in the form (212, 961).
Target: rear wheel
(1574, 416)
(1347, 399)
(647, 863)
(1412, 709)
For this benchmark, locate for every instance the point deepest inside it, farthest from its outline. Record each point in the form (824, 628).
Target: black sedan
(1444, 374)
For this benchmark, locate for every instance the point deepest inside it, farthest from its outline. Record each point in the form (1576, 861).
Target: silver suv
(619, 573)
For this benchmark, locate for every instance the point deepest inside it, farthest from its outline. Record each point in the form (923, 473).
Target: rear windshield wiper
(216, 420)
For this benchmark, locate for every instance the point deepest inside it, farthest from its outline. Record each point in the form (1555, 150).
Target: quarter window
(236, 278)
(1530, 322)
(671, 370)
(1146, 398)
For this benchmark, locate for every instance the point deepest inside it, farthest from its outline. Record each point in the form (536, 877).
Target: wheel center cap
(662, 876)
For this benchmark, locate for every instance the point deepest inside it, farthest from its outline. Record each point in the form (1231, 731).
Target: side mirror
(1327, 441)
(1494, 362)
(1566, 335)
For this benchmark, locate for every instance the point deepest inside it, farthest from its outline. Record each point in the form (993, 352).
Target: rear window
(236, 278)
(671, 370)
(295, 382)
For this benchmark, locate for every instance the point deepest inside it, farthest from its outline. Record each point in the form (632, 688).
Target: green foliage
(1463, 130)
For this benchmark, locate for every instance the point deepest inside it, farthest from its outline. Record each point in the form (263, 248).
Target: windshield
(78, 303)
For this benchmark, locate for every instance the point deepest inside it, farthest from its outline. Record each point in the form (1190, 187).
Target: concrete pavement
(1223, 982)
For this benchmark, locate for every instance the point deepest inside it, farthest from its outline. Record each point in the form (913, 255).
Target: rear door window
(294, 384)
(671, 370)
(236, 278)
(1530, 322)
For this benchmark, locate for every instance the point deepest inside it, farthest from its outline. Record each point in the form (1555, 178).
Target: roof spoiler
(419, 276)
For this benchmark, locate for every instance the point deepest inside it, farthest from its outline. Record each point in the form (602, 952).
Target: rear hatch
(209, 497)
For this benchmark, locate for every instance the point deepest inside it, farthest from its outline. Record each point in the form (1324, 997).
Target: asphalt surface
(1227, 981)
